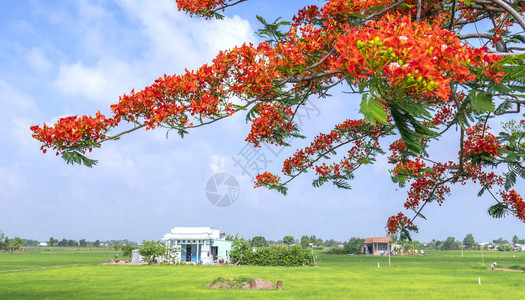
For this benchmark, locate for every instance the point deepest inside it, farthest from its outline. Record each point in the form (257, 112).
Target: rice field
(440, 275)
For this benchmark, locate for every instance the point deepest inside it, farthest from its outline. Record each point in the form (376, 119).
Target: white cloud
(17, 115)
(38, 61)
(13, 100)
(102, 83)
(162, 37)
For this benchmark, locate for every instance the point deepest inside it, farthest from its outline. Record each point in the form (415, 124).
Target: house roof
(378, 240)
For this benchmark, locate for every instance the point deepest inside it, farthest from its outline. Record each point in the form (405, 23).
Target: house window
(382, 247)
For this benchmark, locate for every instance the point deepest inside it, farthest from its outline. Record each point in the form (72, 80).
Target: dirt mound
(263, 284)
(506, 270)
(241, 283)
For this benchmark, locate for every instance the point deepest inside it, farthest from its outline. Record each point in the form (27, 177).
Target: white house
(42, 244)
(196, 244)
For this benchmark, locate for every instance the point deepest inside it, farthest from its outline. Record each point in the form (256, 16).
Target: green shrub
(505, 248)
(274, 255)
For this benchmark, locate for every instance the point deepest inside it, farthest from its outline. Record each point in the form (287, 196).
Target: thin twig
(122, 133)
(385, 10)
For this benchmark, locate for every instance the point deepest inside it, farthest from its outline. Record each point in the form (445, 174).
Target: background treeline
(352, 246)
(17, 243)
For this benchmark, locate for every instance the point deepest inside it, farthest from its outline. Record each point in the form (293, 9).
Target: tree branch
(475, 36)
(385, 10)
(227, 5)
(510, 10)
(122, 133)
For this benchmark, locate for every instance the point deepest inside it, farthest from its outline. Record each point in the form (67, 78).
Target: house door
(214, 252)
(188, 252)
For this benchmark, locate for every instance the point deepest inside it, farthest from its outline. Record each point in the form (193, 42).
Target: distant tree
(7, 243)
(72, 243)
(305, 241)
(118, 246)
(126, 251)
(258, 242)
(96, 243)
(522, 241)
(29, 243)
(288, 240)
(62, 243)
(432, 245)
(332, 243)
(469, 242)
(504, 247)
(411, 246)
(450, 244)
(315, 241)
(2, 245)
(16, 244)
(515, 239)
(354, 245)
(500, 241)
(82, 243)
(152, 250)
(395, 239)
(51, 242)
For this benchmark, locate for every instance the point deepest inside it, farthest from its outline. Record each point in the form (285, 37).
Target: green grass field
(440, 275)
(38, 258)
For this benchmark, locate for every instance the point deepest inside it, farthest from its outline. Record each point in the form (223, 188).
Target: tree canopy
(423, 69)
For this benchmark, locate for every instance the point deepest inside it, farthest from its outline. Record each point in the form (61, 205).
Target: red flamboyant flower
(516, 202)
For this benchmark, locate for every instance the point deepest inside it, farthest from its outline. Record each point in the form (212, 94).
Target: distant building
(42, 244)
(378, 246)
(136, 257)
(195, 244)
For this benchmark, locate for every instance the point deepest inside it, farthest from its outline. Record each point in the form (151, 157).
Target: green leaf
(481, 102)
(510, 180)
(74, 157)
(319, 181)
(341, 183)
(373, 110)
(410, 138)
(498, 210)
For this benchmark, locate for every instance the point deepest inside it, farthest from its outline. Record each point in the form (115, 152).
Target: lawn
(440, 275)
(38, 258)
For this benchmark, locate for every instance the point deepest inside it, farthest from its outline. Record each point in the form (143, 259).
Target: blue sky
(60, 58)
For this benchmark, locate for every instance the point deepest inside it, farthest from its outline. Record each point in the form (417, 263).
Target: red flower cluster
(266, 179)
(72, 132)
(395, 223)
(409, 168)
(397, 148)
(415, 59)
(430, 186)
(354, 131)
(201, 8)
(516, 202)
(272, 119)
(479, 141)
